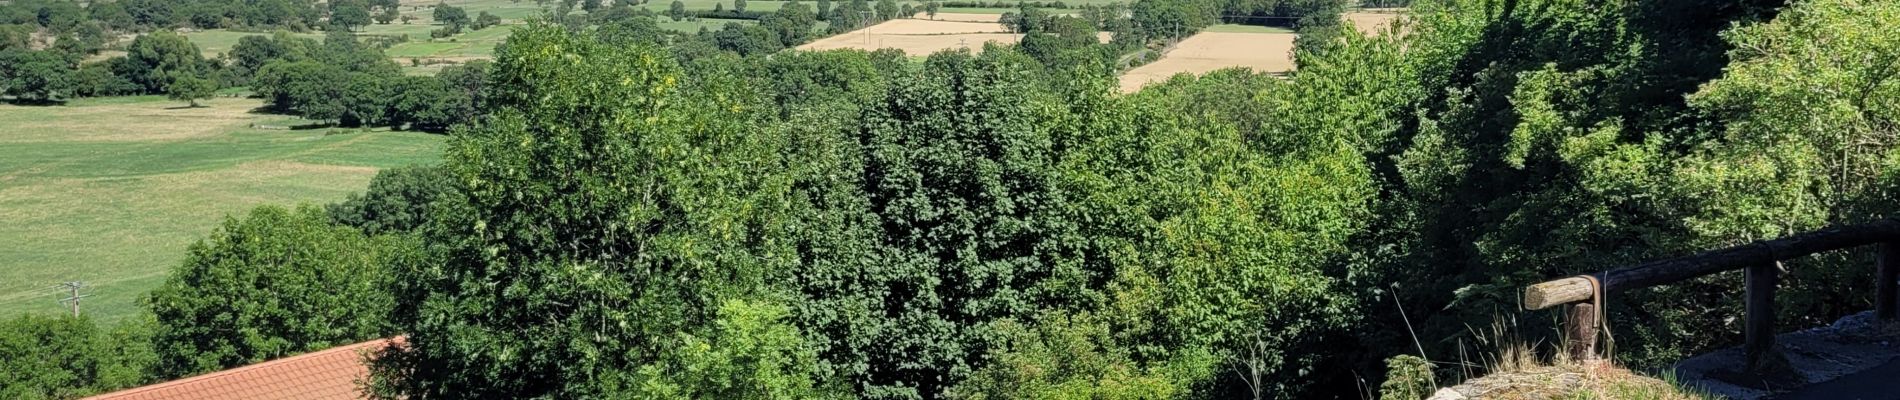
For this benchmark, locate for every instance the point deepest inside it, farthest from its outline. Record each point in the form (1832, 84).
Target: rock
(1446, 394)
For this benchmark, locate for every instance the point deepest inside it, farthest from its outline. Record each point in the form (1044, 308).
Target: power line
(73, 288)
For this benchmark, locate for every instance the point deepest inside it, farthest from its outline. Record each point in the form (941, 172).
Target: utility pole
(73, 287)
(867, 27)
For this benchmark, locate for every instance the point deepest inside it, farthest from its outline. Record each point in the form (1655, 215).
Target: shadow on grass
(33, 102)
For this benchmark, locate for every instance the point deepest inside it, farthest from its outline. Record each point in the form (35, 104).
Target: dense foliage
(63, 357)
(275, 283)
(630, 212)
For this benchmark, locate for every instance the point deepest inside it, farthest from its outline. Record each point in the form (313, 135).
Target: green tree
(792, 24)
(747, 39)
(275, 283)
(349, 13)
(35, 75)
(485, 20)
(63, 357)
(738, 6)
(190, 89)
(252, 52)
(590, 5)
(677, 11)
(448, 15)
(398, 199)
(308, 88)
(389, 14)
(606, 276)
(152, 59)
(886, 10)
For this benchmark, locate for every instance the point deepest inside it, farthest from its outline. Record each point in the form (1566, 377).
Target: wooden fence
(1761, 265)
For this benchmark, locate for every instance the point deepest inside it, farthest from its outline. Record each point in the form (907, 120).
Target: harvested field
(1373, 21)
(919, 37)
(1210, 51)
(962, 17)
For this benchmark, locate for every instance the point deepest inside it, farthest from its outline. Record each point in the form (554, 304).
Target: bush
(1407, 377)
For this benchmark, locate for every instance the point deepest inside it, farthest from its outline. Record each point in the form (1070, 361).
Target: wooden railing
(1761, 265)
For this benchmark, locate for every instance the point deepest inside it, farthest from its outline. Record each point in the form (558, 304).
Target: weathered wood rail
(1761, 265)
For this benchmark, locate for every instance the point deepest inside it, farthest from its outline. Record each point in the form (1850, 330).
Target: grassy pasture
(468, 44)
(218, 41)
(110, 191)
(424, 10)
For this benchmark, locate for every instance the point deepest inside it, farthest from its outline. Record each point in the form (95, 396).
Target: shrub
(1407, 377)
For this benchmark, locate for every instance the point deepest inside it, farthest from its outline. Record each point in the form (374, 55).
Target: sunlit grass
(110, 191)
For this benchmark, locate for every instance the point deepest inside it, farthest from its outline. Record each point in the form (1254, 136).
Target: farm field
(111, 191)
(1235, 28)
(469, 44)
(918, 37)
(962, 17)
(1373, 21)
(508, 10)
(1213, 50)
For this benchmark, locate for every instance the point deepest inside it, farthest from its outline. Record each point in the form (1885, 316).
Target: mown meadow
(110, 191)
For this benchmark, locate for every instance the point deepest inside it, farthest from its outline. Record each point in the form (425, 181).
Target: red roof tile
(333, 373)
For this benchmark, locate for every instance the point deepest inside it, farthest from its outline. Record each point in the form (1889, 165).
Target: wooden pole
(1759, 328)
(1888, 265)
(1582, 328)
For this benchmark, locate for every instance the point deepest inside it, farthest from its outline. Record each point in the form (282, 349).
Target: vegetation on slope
(626, 213)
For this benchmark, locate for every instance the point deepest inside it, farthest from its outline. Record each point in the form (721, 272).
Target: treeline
(354, 85)
(1003, 4)
(339, 79)
(62, 16)
(1173, 19)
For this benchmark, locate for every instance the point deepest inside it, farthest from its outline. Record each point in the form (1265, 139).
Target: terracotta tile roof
(333, 373)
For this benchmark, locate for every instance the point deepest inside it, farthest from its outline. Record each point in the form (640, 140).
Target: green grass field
(110, 191)
(510, 10)
(468, 44)
(217, 41)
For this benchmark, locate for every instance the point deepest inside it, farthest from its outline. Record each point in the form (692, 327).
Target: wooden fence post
(1582, 329)
(1888, 265)
(1759, 326)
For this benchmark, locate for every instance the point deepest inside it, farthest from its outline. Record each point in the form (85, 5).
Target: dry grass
(1511, 368)
(143, 121)
(919, 37)
(1210, 51)
(963, 17)
(1370, 22)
